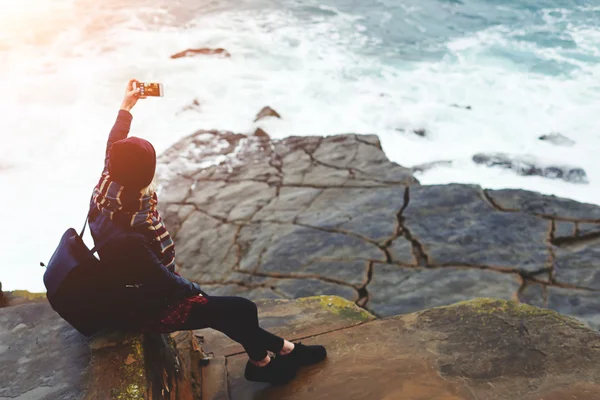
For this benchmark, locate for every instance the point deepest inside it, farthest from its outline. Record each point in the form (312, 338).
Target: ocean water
(330, 66)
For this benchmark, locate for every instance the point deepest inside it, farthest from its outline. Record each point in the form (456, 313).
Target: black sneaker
(306, 355)
(275, 372)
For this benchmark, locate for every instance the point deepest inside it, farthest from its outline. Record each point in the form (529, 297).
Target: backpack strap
(87, 217)
(102, 243)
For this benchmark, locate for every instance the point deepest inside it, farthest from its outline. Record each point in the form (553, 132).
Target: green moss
(132, 385)
(27, 295)
(112, 377)
(338, 306)
(485, 306)
(135, 374)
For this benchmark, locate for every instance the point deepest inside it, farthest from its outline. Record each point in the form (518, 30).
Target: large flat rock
(283, 219)
(483, 349)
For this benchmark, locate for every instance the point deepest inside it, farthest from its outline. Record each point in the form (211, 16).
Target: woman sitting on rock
(145, 293)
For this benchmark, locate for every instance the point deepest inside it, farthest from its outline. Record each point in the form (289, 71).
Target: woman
(144, 291)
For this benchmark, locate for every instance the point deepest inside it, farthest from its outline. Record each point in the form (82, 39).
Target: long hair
(150, 189)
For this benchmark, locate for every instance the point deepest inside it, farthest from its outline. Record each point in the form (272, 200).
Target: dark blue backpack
(75, 279)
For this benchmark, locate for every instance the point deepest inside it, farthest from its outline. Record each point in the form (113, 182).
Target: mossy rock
(118, 368)
(486, 339)
(18, 297)
(338, 306)
(491, 307)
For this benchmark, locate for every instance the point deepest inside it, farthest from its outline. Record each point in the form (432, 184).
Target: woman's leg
(236, 317)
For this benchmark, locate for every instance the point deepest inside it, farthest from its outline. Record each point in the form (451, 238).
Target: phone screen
(150, 89)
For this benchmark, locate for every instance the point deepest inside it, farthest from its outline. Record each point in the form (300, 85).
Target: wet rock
(193, 106)
(459, 106)
(557, 139)
(422, 132)
(430, 165)
(528, 166)
(201, 51)
(539, 204)
(260, 133)
(266, 112)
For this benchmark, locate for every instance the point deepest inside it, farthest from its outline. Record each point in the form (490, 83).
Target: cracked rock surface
(304, 216)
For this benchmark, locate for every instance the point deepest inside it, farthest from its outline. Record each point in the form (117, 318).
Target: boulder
(266, 112)
(306, 216)
(422, 132)
(459, 106)
(430, 165)
(529, 166)
(260, 133)
(557, 139)
(2, 299)
(201, 51)
(193, 106)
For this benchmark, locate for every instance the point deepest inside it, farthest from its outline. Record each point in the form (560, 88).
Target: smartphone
(149, 89)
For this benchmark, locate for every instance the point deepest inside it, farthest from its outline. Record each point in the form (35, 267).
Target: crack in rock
(377, 146)
(275, 275)
(363, 293)
(421, 257)
(572, 241)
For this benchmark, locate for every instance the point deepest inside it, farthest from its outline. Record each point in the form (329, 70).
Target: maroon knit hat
(132, 163)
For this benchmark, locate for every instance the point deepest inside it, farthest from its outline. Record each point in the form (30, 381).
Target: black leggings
(236, 317)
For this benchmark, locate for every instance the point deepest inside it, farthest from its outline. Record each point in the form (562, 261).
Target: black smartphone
(149, 89)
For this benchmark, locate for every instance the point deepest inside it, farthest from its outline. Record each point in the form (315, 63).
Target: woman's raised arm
(120, 129)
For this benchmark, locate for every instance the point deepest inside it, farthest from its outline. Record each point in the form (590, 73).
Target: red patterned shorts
(175, 315)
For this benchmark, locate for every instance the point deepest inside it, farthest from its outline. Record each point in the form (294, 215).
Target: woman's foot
(287, 348)
(302, 355)
(274, 372)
